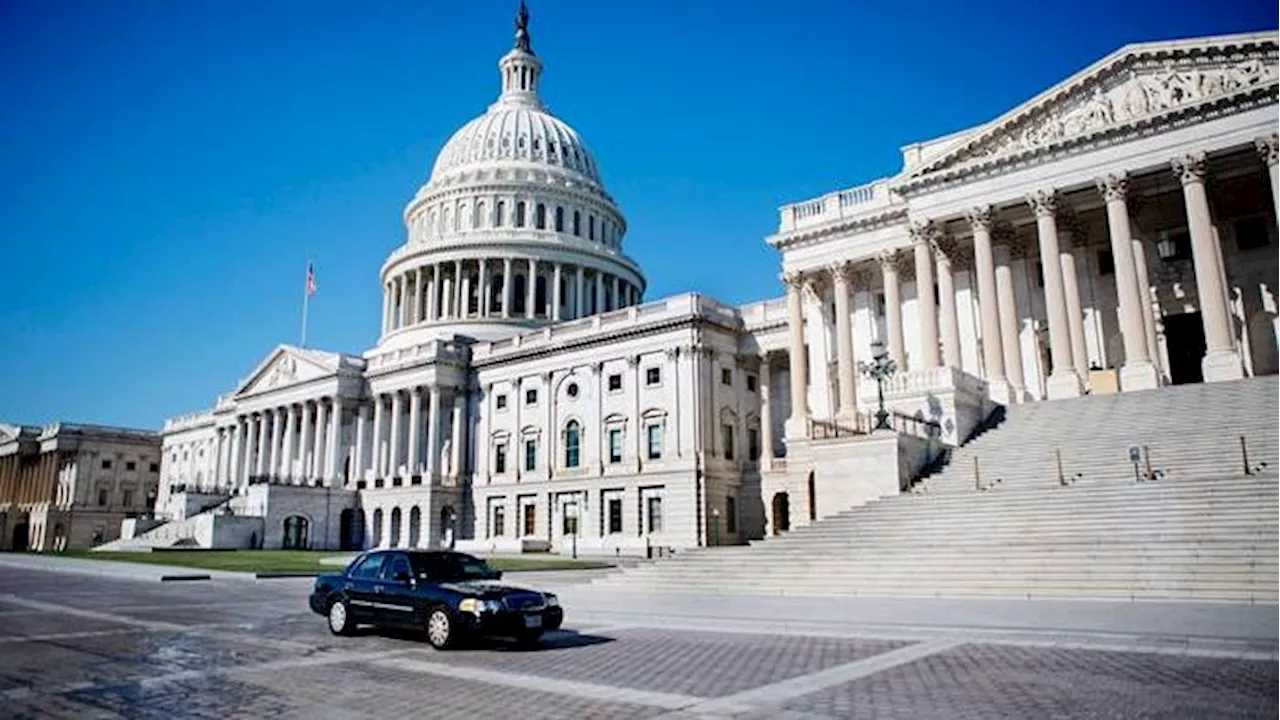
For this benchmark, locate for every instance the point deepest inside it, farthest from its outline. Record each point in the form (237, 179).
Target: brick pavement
(94, 647)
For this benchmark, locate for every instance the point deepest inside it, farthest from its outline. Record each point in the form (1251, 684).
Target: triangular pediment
(1134, 86)
(288, 365)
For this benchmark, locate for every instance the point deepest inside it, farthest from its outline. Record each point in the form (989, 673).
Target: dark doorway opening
(20, 537)
(813, 498)
(1184, 336)
(781, 513)
(350, 530)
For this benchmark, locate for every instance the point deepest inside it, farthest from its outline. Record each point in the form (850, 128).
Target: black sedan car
(450, 595)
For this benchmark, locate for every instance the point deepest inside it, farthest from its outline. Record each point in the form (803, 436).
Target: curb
(287, 574)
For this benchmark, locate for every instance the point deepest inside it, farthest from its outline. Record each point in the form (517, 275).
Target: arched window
(577, 223)
(591, 227)
(295, 533)
(519, 214)
(559, 219)
(478, 222)
(540, 216)
(431, 224)
(415, 526)
(446, 222)
(395, 527)
(499, 208)
(457, 220)
(572, 441)
(377, 528)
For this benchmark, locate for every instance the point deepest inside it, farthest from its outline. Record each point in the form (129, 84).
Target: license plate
(532, 621)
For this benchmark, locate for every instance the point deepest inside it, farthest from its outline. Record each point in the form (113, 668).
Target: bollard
(1146, 453)
(1244, 456)
(1058, 454)
(977, 477)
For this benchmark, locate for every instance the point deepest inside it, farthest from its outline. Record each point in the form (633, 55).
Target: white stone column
(1148, 312)
(333, 465)
(291, 450)
(922, 235)
(798, 424)
(1063, 381)
(980, 222)
(320, 445)
(846, 381)
(1075, 310)
(506, 287)
(599, 292)
(531, 290)
(889, 263)
(943, 251)
(260, 460)
(433, 430)
(580, 297)
(386, 308)
(459, 311)
(237, 444)
(1267, 150)
(362, 431)
(219, 443)
(379, 422)
(277, 442)
(1138, 372)
(1221, 362)
(485, 288)
(1008, 340)
(415, 428)
(456, 440)
(555, 294)
(411, 296)
(766, 412)
(305, 447)
(397, 410)
(433, 300)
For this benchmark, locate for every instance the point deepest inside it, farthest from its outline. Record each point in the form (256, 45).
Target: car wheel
(440, 629)
(340, 618)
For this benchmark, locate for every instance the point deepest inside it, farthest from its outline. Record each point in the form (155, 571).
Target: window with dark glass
(751, 383)
(500, 459)
(540, 216)
(1251, 233)
(726, 376)
(530, 519)
(1106, 263)
(500, 402)
(615, 445)
(559, 219)
(126, 498)
(530, 455)
(499, 521)
(155, 467)
(530, 396)
(653, 515)
(653, 376)
(753, 444)
(131, 465)
(655, 441)
(615, 382)
(572, 437)
(726, 432)
(102, 497)
(519, 214)
(615, 515)
(106, 464)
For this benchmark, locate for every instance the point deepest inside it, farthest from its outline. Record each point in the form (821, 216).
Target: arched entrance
(376, 540)
(781, 513)
(351, 529)
(295, 532)
(813, 498)
(21, 536)
(395, 527)
(59, 537)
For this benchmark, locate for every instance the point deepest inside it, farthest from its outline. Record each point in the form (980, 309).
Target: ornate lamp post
(715, 527)
(881, 367)
(571, 512)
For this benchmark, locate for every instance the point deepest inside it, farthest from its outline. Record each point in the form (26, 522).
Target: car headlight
(477, 606)
(551, 600)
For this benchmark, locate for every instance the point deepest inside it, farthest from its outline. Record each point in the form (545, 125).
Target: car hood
(485, 588)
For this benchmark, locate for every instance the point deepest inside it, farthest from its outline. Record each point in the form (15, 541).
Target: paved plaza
(98, 646)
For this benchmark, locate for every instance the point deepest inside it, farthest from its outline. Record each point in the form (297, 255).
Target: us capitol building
(1116, 233)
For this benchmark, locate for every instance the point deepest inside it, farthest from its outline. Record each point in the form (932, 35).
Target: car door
(362, 588)
(395, 591)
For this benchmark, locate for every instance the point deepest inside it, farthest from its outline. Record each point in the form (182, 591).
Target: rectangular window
(615, 515)
(615, 383)
(726, 376)
(653, 515)
(531, 396)
(1106, 263)
(726, 432)
(106, 464)
(500, 402)
(126, 498)
(652, 376)
(731, 514)
(131, 465)
(500, 458)
(499, 521)
(751, 383)
(155, 467)
(1251, 233)
(753, 444)
(530, 455)
(655, 441)
(615, 445)
(102, 497)
(530, 519)
(569, 522)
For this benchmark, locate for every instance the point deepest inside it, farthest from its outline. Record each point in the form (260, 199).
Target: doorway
(351, 530)
(781, 513)
(20, 537)
(1184, 335)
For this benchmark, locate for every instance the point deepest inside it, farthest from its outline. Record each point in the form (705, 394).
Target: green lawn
(294, 561)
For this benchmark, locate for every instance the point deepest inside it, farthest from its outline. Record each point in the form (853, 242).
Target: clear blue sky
(167, 166)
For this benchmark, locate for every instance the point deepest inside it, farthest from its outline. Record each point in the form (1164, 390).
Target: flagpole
(306, 297)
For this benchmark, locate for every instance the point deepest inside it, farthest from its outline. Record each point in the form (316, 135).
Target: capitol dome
(512, 230)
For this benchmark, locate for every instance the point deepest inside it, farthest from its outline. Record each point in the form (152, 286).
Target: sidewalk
(1200, 627)
(115, 569)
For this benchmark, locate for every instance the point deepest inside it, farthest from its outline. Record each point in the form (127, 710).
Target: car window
(399, 564)
(431, 567)
(370, 567)
(466, 567)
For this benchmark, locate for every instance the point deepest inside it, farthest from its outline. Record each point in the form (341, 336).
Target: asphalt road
(96, 646)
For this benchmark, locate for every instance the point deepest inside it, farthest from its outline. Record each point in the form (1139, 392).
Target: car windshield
(451, 568)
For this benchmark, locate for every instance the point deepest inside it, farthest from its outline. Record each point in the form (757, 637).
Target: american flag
(311, 280)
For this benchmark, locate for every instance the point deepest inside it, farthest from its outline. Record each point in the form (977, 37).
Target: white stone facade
(523, 396)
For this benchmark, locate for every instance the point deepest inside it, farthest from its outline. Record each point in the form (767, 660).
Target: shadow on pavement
(551, 640)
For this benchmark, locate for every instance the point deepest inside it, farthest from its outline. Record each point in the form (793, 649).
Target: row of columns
(1001, 352)
(462, 289)
(395, 442)
(25, 481)
(297, 442)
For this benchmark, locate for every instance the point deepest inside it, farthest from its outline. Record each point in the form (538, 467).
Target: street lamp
(715, 527)
(879, 369)
(571, 512)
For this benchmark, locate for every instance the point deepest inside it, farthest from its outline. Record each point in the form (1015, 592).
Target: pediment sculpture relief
(1141, 95)
(284, 372)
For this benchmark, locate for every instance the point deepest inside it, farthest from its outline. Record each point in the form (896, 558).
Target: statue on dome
(522, 29)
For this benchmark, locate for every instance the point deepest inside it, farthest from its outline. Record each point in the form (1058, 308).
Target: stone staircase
(1204, 531)
(171, 533)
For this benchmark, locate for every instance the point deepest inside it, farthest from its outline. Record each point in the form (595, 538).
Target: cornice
(813, 235)
(500, 248)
